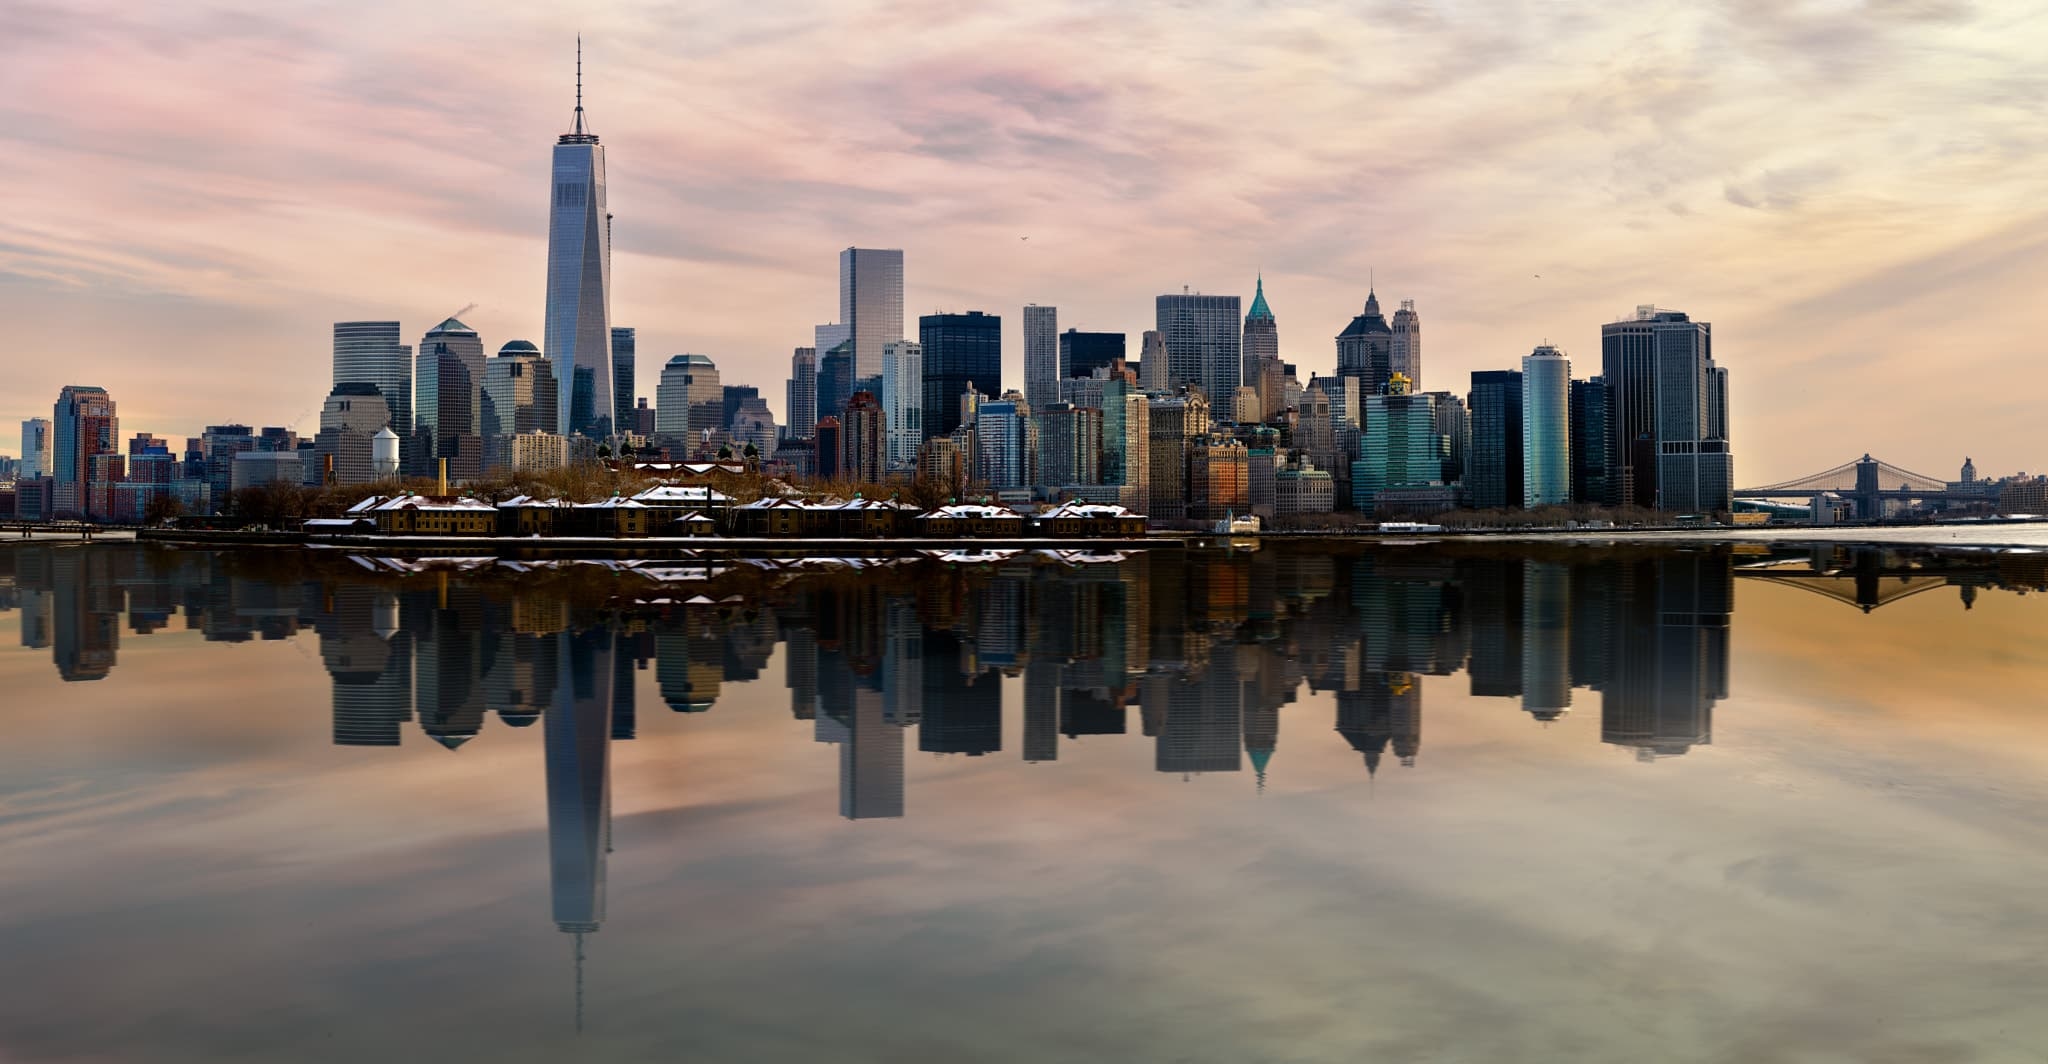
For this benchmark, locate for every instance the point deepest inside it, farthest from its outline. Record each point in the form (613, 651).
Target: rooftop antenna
(579, 84)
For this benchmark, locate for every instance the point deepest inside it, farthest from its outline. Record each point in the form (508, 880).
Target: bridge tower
(1869, 505)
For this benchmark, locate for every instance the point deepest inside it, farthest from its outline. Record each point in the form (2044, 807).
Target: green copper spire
(1259, 308)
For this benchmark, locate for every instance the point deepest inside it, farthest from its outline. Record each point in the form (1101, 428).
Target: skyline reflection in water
(1196, 659)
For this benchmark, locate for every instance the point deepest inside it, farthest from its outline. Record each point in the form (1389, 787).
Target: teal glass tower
(577, 339)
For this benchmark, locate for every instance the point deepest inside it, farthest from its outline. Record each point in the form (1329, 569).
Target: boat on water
(1409, 526)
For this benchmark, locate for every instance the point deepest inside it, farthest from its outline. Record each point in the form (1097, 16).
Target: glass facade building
(960, 351)
(1204, 343)
(578, 337)
(871, 304)
(368, 352)
(1546, 428)
(1493, 472)
(1043, 366)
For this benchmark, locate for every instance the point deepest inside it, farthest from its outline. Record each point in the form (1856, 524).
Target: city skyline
(1766, 166)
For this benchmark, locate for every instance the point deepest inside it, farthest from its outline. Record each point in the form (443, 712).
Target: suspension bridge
(1867, 482)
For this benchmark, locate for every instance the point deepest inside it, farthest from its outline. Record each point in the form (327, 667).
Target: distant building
(1219, 478)
(1404, 351)
(1493, 477)
(753, 425)
(688, 400)
(624, 340)
(83, 427)
(1589, 442)
(1403, 449)
(519, 397)
(368, 352)
(1070, 445)
(1546, 428)
(252, 468)
(961, 352)
(1365, 349)
(1176, 422)
(1043, 366)
(35, 449)
(1668, 444)
(903, 401)
(871, 303)
(534, 451)
(1262, 367)
(1204, 345)
(1300, 488)
(802, 402)
(576, 336)
(353, 414)
(1002, 430)
(1082, 353)
(864, 447)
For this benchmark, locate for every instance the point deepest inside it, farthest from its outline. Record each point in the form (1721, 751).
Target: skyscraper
(1000, 432)
(1589, 442)
(368, 352)
(1403, 447)
(1070, 445)
(688, 400)
(1262, 370)
(1493, 474)
(83, 427)
(468, 349)
(1404, 353)
(1152, 367)
(623, 341)
(1546, 428)
(864, 447)
(960, 351)
(903, 401)
(519, 398)
(447, 419)
(1668, 413)
(801, 405)
(351, 417)
(871, 304)
(1043, 366)
(579, 293)
(1365, 348)
(35, 449)
(833, 388)
(1082, 353)
(1204, 346)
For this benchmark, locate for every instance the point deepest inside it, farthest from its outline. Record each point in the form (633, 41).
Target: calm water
(1583, 805)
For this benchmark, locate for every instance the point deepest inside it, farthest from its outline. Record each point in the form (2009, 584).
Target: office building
(1403, 451)
(623, 341)
(1082, 353)
(368, 352)
(961, 352)
(1300, 488)
(1493, 476)
(903, 401)
(1069, 445)
(1589, 442)
(835, 382)
(1002, 433)
(36, 458)
(1454, 424)
(351, 417)
(83, 428)
(577, 339)
(447, 389)
(835, 378)
(1043, 366)
(753, 425)
(688, 401)
(1219, 479)
(519, 397)
(1365, 349)
(801, 405)
(864, 445)
(536, 450)
(1126, 443)
(829, 444)
(1204, 346)
(1176, 423)
(733, 396)
(1667, 401)
(1546, 428)
(1152, 368)
(1262, 365)
(871, 304)
(1404, 350)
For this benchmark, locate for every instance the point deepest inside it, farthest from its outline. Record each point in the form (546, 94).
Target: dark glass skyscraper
(623, 340)
(1668, 414)
(1082, 353)
(1589, 441)
(959, 350)
(1493, 478)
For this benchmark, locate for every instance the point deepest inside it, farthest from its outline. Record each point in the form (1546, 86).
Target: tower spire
(579, 85)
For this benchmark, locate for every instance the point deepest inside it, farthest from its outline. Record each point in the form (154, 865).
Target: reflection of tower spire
(579, 982)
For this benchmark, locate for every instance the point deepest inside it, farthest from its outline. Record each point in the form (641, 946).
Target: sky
(1851, 191)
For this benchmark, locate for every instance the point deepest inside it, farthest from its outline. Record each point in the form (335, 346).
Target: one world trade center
(578, 339)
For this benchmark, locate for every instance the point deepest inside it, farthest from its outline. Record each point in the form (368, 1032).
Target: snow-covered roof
(613, 503)
(697, 494)
(1090, 510)
(975, 510)
(366, 505)
(430, 503)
